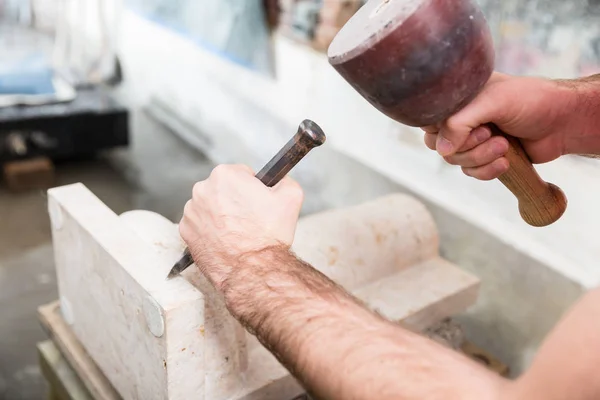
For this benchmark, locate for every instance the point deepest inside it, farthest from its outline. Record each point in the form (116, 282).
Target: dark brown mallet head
(421, 61)
(417, 61)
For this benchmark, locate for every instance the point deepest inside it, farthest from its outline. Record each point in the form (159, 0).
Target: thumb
(489, 106)
(290, 189)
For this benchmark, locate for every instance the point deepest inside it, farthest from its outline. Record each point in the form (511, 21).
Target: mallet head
(417, 61)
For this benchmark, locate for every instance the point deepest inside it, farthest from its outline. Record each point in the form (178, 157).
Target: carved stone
(173, 339)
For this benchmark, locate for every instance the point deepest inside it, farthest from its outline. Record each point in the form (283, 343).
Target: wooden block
(35, 173)
(111, 273)
(62, 379)
(71, 349)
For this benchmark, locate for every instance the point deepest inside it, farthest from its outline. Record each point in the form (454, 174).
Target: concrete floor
(155, 173)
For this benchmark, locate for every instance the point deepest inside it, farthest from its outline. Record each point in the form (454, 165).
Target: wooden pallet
(70, 371)
(73, 375)
(62, 379)
(92, 378)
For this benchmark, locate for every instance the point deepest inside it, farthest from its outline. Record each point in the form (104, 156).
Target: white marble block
(173, 339)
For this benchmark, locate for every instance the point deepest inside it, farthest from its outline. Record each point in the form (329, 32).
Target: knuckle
(454, 124)
(197, 190)
(244, 168)
(295, 191)
(219, 170)
(222, 171)
(187, 209)
(478, 158)
(183, 228)
(486, 174)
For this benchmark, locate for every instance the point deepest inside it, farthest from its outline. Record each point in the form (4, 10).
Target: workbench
(93, 121)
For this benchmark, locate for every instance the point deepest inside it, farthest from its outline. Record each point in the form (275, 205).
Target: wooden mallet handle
(540, 203)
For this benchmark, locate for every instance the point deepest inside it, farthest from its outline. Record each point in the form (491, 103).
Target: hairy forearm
(583, 114)
(335, 346)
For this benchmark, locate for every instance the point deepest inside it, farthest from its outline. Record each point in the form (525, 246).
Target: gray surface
(158, 176)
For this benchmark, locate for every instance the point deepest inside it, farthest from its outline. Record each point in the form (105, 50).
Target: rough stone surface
(155, 331)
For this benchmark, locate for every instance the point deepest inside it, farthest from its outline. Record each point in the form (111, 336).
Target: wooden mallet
(421, 61)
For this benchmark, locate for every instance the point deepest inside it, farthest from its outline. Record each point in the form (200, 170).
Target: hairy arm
(240, 233)
(584, 137)
(337, 347)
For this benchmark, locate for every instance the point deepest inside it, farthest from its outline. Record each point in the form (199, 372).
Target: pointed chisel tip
(172, 274)
(181, 265)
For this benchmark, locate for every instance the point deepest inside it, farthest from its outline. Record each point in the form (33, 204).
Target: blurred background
(139, 99)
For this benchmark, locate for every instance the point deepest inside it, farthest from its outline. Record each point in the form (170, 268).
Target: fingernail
(481, 134)
(503, 165)
(443, 146)
(500, 149)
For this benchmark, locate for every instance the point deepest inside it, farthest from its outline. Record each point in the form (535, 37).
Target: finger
(199, 190)
(183, 227)
(489, 171)
(230, 171)
(493, 104)
(497, 77)
(288, 179)
(430, 139)
(481, 155)
(452, 136)
(431, 129)
(192, 210)
(185, 224)
(187, 209)
(244, 169)
(289, 188)
(476, 137)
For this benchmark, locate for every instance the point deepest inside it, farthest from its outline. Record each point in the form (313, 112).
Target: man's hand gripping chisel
(308, 137)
